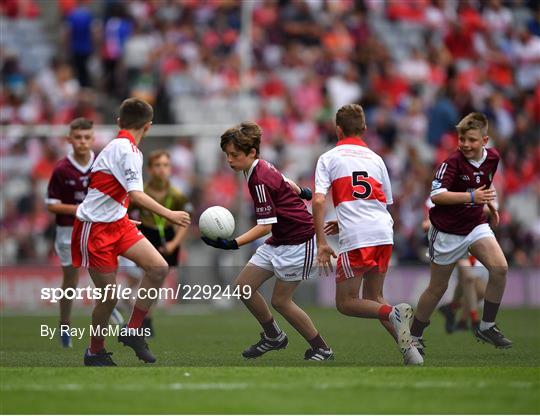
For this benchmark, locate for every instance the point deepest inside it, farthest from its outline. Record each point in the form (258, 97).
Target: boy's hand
(305, 193)
(221, 243)
(493, 215)
(331, 228)
(180, 218)
(483, 195)
(324, 254)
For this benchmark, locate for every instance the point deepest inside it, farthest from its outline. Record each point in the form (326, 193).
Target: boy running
(102, 231)
(288, 253)
(361, 192)
(459, 225)
(67, 188)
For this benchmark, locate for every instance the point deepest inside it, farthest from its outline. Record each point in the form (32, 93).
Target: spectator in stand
(80, 32)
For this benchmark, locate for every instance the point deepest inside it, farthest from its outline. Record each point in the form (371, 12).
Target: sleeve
(132, 171)
(387, 186)
(322, 177)
(54, 189)
(444, 177)
(265, 209)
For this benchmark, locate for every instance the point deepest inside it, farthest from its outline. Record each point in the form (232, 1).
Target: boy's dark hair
(245, 136)
(135, 113)
(351, 119)
(156, 154)
(473, 121)
(81, 123)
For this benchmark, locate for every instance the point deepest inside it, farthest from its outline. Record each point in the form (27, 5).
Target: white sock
(416, 338)
(486, 325)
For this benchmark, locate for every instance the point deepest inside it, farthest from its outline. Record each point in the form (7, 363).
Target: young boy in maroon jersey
(459, 191)
(67, 188)
(288, 254)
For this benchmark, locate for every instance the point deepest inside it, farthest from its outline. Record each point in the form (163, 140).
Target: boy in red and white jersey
(461, 191)
(361, 191)
(102, 230)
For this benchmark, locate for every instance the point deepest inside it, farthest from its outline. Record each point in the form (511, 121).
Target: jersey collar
(250, 171)
(78, 166)
(352, 140)
(478, 163)
(124, 134)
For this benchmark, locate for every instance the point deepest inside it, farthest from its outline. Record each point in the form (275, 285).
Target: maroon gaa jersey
(68, 185)
(276, 203)
(458, 174)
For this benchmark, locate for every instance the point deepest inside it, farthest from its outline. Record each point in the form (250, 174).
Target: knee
(279, 304)
(157, 272)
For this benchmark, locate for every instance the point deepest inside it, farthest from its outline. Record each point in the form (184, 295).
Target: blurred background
(417, 67)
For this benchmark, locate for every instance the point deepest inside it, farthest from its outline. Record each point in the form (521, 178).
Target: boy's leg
(372, 289)
(145, 255)
(282, 301)
(70, 280)
(253, 277)
(103, 307)
(489, 253)
(272, 337)
(348, 300)
(438, 283)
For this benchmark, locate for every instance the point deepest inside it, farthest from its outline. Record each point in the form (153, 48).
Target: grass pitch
(199, 370)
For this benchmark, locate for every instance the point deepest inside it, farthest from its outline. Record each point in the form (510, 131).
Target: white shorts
(447, 248)
(289, 263)
(62, 244)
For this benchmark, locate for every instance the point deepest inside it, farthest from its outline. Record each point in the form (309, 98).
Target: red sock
(474, 316)
(384, 312)
(137, 317)
(96, 344)
(454, 306)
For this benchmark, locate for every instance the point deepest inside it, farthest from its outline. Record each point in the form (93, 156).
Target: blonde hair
(473, 121)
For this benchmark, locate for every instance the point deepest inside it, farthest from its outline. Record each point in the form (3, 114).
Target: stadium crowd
(417, 67)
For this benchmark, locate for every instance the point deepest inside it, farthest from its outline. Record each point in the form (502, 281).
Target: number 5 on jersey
(359, 179)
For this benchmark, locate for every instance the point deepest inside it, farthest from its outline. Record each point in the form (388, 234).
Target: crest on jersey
(131, 175)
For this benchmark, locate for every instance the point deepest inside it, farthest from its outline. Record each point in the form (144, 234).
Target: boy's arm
(324, 251)
(478, 196)
(179, 237)
(63, 209)
(304, 193)
(253, 234)
(139, 198)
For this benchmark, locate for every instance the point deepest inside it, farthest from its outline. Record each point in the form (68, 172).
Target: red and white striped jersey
(116, 171)
(361, 191)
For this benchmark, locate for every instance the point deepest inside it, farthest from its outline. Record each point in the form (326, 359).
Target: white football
(216, 222)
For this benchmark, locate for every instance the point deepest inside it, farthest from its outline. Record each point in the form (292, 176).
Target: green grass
(199, 370)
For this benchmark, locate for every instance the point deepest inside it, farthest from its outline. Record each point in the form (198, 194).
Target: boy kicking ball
(288, 254)
(459, 225)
